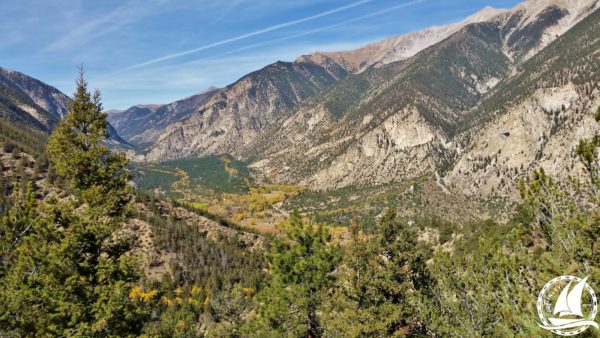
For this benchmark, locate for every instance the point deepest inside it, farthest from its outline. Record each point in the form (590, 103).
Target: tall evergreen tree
(71, 275)
(301, 268)
(383, 280)
(96, 175)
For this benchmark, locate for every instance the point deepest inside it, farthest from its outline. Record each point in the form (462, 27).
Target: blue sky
(159, 51)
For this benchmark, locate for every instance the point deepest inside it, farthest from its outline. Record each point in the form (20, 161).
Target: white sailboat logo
(569, 304)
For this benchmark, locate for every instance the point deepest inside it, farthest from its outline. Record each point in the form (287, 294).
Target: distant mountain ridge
(29, 103)
(142, 124)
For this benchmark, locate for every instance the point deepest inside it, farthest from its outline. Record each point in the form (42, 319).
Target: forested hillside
(76, 237)
(92, 258)
(428, 185)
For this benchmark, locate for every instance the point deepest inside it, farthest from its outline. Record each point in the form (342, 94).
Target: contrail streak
(248, 35)
(289, 37)
(320, 29)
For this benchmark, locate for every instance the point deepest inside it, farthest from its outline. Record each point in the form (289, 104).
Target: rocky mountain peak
(398, 47)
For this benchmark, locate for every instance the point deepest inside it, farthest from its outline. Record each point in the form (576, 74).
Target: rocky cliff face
(540, 131)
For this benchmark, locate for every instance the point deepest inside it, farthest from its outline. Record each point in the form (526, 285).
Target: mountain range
(477, 103)
(474, 105)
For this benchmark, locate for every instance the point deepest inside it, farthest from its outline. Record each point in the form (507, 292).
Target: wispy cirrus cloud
(247, 35)
(82, 30)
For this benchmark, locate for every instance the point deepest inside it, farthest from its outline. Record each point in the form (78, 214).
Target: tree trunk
(312, 325)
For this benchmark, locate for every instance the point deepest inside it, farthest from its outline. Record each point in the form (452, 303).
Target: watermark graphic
(567, 306)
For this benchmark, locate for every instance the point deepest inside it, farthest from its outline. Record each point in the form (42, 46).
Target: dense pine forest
(72, 264)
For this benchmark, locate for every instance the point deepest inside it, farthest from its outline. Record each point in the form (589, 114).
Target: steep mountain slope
(235, 115)
(43, 95)
(536, 118)
(18, 108)
(29, 104)
(534, 24)
(390, 122)
(399, 121)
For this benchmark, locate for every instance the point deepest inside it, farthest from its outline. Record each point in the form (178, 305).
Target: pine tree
(383, 280)
(71, 274)
(301, 268)
(16, 224)
(78, 154)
